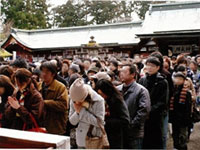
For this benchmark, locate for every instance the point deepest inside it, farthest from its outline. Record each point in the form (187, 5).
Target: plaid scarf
(21, 100)
(182, 98)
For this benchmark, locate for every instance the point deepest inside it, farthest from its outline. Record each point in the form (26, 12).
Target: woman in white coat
(84, 106)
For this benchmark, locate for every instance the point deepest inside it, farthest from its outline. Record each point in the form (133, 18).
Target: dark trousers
(153, 137)
(135, 143)
(165, 131)
(179, 135)
(115, 138)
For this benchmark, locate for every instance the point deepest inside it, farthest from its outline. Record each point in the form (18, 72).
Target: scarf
(21, 100)
(182, 98)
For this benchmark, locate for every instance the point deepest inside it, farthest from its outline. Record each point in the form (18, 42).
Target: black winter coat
(117, 122)
(157, 86)
(181, 114)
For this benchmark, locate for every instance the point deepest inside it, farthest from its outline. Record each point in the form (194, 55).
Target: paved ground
(194, 143)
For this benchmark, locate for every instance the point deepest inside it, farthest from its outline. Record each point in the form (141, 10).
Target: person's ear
(54, 75)
(133, 75)
(158, 67)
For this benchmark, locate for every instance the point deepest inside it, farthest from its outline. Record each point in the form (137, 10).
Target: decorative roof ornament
(92, 43)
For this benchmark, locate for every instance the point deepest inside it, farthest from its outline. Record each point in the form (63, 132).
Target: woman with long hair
(23, 104)
(6, 90)
(117, 114)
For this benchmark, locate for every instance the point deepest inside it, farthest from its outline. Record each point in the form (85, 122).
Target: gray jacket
(138, 101)
(85, 118)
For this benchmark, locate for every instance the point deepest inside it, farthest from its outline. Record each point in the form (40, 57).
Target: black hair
(196, 57)
(115, 63)
(111, 74)
(7, 84)
(108, 89)
(59, 64)
(132, 68)
(160, 58)
(82, 69)
(6, 70)
(20, 63)
(37, 72)
(153, 60)
(98, 64)
(50, 66)
(180, 68)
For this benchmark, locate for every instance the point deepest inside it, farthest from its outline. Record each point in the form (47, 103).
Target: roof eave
(78, 27)
(163, 34)
(74, 47)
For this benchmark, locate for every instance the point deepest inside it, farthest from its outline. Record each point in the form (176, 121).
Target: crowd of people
(134, 98)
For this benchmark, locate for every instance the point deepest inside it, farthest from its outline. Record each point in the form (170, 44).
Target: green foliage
(76, 13)
(34, 14)
(103, 11)
(26, 14)
(143, 6)
(70, 14)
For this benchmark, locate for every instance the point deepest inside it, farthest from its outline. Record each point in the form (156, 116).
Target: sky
(57, 2)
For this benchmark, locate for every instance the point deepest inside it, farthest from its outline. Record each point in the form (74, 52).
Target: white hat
(78, 90)
(101, 75)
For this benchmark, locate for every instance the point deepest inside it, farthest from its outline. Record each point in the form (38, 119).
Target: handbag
(36, 128)
(93, 142)
(195, 115)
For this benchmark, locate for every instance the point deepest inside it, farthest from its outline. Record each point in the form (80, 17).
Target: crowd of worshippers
(136, 98)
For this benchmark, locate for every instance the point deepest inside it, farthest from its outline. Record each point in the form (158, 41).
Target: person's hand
(77, 107)
(13, 102)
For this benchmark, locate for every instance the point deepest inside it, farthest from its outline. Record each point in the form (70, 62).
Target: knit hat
(101, 75)
(78, 90)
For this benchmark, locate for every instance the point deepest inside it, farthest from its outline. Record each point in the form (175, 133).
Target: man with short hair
(138, 102)
(55, 97)
(157, 86)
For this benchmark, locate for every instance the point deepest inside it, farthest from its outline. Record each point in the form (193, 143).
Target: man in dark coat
(158, 89)
(168, 76)
(138, 102)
